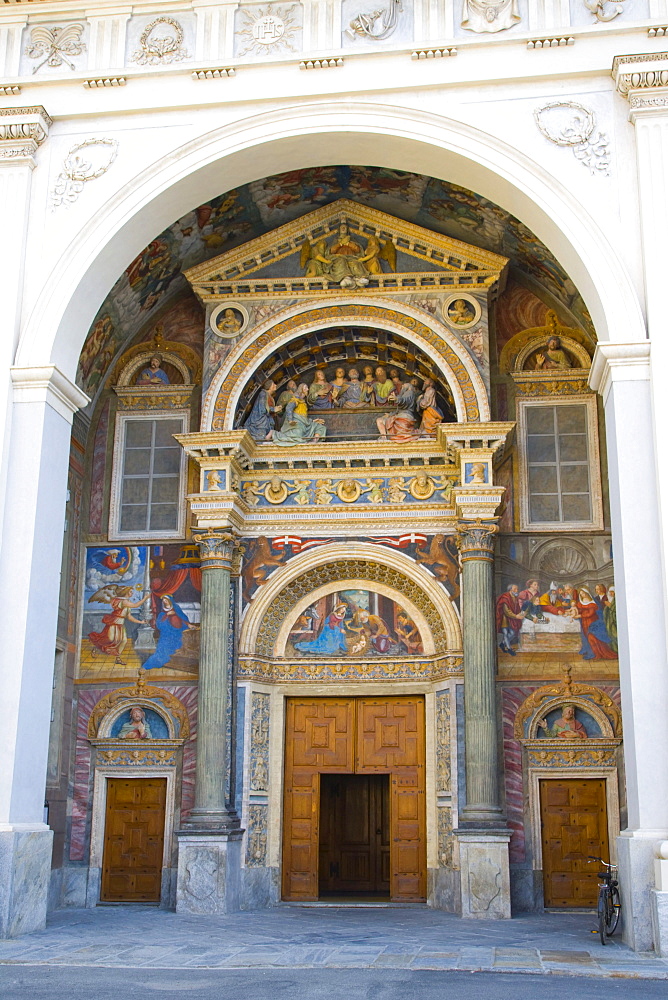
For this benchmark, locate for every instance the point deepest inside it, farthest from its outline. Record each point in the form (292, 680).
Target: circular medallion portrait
(228, 320)
(461, 311)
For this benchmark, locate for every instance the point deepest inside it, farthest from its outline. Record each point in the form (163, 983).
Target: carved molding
(443, 765)
(259, 742)
(544, 698)
(141, 694)
(343, 670)
(587, 753)
(157, 753)
(22, 131)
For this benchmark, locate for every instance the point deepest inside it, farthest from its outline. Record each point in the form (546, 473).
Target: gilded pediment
(349, 246)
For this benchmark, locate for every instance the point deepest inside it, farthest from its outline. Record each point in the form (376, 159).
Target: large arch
(337, 552)
(378, 135)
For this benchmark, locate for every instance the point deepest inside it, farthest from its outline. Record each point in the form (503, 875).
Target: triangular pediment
(374, 250)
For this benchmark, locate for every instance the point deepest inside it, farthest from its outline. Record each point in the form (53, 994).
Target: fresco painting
(357, 623)
(155, 276)
(141, 610)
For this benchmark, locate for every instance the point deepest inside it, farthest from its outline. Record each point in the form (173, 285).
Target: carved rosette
(475, 540)
(216, 549)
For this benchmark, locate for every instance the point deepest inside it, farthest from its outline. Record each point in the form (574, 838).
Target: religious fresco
(141, 610)
(358, 623)
(138, 723)
(437, 553)
(568, 617)
(155, 276)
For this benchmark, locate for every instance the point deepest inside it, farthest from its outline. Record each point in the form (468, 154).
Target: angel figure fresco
(344, 261)
(113, 638)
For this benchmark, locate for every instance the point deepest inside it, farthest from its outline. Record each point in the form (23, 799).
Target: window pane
(137, 462)
(577, 507)
(166, 460)
(574, 479)
(540, 419)
(163, 517)
(135, 491)
(571, 419)
(541, 449)
(573, 448)
(164, 430)
(138, 433)
(542, 479)
(133, 518)
(544, 508)
(165, 490)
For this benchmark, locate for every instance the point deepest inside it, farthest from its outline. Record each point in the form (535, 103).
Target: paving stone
(579, 957)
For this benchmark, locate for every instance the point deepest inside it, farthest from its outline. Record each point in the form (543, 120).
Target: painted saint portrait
(568, 722)
(461, 312)
(139, 723)
(153, 373)
(355, 623)
(229, 322)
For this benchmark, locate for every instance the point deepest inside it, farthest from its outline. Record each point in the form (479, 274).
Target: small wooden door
(355, 736)
(134, 836)
(574, 825)
(355, 834)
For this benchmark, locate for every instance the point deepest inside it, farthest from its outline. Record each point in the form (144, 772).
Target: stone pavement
(334, 936)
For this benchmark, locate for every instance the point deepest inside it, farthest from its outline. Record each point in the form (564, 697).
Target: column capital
(22, 131)
(619, 363)
(216, 548)
(47, 384)
(475, 540)
(643, 80)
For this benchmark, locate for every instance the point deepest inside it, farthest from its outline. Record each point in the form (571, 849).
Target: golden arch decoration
(591, 699)
(114, 702)
(279, 598)
(465, 381)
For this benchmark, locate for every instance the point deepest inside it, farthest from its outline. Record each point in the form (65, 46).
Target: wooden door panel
(574, 826)
(331, 736)
(133, 839)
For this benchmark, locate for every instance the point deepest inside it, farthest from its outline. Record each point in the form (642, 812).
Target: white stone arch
(316, 135)
(381, 555)
(313, 322)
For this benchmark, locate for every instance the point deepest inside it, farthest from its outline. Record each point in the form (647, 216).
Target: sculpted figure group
(410, 411)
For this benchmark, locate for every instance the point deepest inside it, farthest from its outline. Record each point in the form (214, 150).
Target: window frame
(594, 464)
(122, 419)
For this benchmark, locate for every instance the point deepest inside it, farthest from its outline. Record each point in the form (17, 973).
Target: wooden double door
(134, 836)
(354, 810)
(574, 826)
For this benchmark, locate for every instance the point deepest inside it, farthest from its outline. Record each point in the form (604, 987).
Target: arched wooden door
(355, 736)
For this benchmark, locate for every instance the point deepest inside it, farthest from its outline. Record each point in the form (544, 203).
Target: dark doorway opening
(354, 846)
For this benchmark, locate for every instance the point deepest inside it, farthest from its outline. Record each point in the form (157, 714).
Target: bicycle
(609, 903)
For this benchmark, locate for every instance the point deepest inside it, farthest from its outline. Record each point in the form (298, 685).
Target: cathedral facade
(348, 409)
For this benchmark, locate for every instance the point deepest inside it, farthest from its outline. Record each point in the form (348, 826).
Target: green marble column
(210, 811)
(476, 546)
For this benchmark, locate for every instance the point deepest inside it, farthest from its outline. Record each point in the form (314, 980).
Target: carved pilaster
(22, 131)
(643, 79)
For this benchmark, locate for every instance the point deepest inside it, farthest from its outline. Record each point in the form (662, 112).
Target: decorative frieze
(546, 754)
(259, 743)
(424, 669)
(117, 754)
(443, 766)
(256, 836)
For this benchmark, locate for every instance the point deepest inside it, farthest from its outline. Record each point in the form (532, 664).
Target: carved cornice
(22, 131)
(643, 79)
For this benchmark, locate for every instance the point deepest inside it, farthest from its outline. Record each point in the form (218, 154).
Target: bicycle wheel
(614, 906)
(602, 912)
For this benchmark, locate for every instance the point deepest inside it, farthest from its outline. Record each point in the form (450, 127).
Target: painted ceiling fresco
(155, 277)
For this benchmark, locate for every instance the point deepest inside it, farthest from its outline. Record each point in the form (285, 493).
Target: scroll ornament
(490, 15)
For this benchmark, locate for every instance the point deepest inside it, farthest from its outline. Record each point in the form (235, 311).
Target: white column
(434, 20)
(11, 32)
(43, 406)
(214, 40)
(322, 25)
(621, 373)
(106, 41)
(22, 130)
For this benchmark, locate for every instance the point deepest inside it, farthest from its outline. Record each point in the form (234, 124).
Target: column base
(212, 821)
(25, 875)
(482, 817)
(485, 873)
(209, 866)
(659, 909)
(636, 853)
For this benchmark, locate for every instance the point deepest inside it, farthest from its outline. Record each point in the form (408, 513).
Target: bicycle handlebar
(606, 863)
